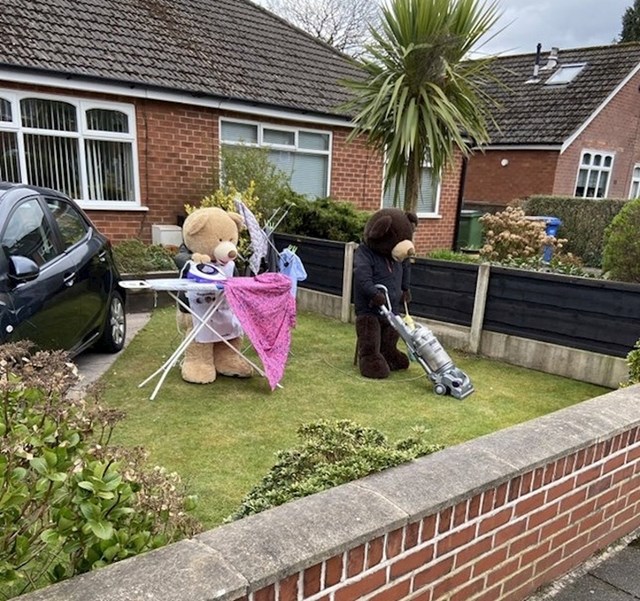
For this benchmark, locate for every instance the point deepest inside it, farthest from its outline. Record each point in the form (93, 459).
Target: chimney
(552, 59)
(536, 65)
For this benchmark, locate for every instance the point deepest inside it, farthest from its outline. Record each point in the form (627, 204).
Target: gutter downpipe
(463, 179)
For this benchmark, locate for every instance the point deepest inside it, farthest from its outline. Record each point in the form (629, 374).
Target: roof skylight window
(565, 74)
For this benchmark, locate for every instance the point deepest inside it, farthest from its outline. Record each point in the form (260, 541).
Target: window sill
(111, 206)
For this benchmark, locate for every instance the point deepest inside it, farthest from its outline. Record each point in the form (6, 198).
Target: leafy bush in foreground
(69, 501)
(331, 453)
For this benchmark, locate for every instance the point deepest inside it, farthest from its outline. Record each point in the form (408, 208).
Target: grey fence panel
(443, 290)
(592, 315)
(588, 314)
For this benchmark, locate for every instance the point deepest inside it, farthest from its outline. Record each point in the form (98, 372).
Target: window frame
(635, 181)
(83, 134)
(295, 148)
(604, 154)
(570, 70)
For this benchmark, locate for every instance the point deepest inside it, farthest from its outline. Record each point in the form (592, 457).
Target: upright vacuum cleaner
(424, 347)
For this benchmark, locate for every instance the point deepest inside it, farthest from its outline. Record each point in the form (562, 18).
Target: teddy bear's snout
(402, 250)
(225, 252)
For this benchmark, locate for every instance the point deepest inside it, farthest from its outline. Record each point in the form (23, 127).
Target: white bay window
(83, 148)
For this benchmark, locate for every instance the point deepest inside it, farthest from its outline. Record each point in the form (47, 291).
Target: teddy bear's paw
(374, 366)
(229, 362)
(239, 371)
(397, 361)
(198, 372)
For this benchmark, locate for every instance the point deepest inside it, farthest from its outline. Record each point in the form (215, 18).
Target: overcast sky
(561, 23)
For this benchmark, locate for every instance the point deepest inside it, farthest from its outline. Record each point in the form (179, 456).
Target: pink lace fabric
(266, 310)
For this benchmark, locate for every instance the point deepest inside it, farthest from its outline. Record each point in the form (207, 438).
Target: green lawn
(221, 437)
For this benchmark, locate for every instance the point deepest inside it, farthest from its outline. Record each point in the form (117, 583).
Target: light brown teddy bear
(210, 238)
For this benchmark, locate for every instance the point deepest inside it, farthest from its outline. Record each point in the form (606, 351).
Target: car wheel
(115, 327)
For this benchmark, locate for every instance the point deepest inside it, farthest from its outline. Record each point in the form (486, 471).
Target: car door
(40, 310)
(88, 250)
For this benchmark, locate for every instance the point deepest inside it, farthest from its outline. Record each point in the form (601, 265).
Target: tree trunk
(412, 185)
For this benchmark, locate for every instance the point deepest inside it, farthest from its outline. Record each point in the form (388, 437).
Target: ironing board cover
(266, 309)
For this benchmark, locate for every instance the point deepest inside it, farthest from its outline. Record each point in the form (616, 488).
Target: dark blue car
(58, 279)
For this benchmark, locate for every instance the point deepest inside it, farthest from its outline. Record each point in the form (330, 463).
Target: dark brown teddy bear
(382, 259)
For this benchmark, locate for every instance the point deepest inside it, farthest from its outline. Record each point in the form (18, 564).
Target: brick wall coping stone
(237, 558)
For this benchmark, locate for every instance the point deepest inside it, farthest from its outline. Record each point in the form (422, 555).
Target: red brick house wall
(356, 172)
(615, 129)
(178, 160)
(528, 172)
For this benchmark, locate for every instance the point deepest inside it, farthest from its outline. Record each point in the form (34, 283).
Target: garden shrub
(246, 167)
(621, 258)
(135, 257)
(515, 241)
(443, 254)
(584, 221)
(510, 236)
(69, 500)
(330, 454)
(633, 361)
(325, 218)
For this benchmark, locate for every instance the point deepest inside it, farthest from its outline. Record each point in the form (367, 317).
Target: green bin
(469, 230)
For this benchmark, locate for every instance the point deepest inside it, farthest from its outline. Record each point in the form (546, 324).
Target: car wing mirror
(22, 269)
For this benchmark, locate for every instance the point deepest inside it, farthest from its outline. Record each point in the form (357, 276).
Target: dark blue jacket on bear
(369, 269)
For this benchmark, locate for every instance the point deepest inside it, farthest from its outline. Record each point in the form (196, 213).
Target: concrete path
(92, 364)
(611, 576)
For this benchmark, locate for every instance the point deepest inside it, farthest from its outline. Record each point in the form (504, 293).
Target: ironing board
(173, 287)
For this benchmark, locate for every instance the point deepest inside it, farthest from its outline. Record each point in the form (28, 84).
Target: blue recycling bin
(552, 225)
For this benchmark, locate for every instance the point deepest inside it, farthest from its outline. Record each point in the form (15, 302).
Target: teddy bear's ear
(379, 228)
(413, 219)
(195, 222)
(238, 219)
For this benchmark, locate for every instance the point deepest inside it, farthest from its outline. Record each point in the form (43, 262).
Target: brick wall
(492, 519)
(356, 172)
(527, 172)
(616, 129)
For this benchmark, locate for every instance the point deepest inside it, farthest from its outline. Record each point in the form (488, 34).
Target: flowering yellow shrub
(225, 200)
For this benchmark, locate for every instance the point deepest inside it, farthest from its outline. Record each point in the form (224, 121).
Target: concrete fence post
(479, 305)
(347, 281)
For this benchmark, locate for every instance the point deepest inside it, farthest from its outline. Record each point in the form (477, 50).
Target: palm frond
(420, 96)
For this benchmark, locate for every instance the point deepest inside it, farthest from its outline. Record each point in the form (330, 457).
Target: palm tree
(420, 97)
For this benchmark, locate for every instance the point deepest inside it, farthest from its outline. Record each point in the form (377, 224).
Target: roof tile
(224, 48)
(535, 113)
